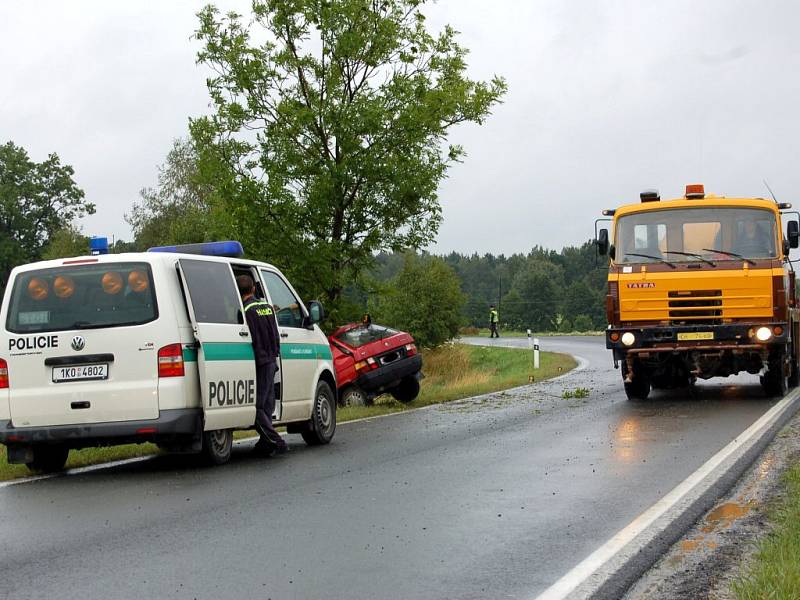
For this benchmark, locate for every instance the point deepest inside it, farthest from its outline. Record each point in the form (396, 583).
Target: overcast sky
(605, 99)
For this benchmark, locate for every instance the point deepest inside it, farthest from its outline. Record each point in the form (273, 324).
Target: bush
(564, 326)
(583, 323)
(424, 299)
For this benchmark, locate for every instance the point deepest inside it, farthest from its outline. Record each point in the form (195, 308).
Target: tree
(177, 210)
(328, 140)
(67, 241)
(424, 299)
(36, 200)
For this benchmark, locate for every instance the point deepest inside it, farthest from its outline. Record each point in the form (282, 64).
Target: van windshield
(688, 233)
(82, 297)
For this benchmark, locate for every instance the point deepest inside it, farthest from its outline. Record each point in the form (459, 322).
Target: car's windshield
(364, 334)
(82, 297)
(693, 234)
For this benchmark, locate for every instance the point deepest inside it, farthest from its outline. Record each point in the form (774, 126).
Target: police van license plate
(80, 373)
(695, 335)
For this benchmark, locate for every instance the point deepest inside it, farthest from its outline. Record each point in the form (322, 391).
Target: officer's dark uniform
(266, 347)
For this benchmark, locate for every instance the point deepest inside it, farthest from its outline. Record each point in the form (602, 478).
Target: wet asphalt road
(494, 497)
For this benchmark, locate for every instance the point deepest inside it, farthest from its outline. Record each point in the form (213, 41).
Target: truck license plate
(696, 335)
(80, 373)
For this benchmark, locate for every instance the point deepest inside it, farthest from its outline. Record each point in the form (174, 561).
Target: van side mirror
(793, 234)
(316, 312)
(602, 242)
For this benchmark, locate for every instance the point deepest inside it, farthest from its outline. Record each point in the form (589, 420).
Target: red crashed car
(371, 360)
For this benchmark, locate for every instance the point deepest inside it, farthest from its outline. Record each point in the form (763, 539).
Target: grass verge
(775, 571)
(451, 372)
(459, 371)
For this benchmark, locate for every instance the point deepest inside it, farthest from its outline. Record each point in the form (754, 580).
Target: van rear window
(82, 297)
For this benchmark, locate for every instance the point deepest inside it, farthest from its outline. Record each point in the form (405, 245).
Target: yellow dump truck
(701, 287)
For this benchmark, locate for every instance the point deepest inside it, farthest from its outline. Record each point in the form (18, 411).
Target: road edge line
(611, 569)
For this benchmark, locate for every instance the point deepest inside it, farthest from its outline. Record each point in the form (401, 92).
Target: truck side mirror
(793, 234)
(602, 242)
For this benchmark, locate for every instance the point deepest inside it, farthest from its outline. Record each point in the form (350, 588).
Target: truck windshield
(696, 234)
(82, 297)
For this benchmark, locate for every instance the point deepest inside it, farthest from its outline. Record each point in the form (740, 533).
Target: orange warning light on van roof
(63, 286)
(38, 289)
(112, 283)
(138, 281)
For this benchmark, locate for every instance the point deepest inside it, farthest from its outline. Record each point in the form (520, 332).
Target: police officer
(266, 348)
(493, 319)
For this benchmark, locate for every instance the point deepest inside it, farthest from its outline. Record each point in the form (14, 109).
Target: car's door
(298, 344)
(225, 354)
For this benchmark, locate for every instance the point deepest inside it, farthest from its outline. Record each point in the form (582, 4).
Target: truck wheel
(353, 395)
(322, 424)
(217, 445)
(794, 374)
(407, 390)
(775, 383)
(48, 458)
(638, 389)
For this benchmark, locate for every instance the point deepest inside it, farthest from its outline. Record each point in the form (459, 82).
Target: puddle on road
(724, 515)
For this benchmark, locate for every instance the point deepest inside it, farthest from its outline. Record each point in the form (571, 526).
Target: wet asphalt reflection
(496, 496)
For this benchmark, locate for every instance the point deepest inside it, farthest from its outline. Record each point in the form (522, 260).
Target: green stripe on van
(244, 351)
(228, 351)
(305, 351)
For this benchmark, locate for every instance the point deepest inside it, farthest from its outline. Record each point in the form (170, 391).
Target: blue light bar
(229, 248)
(98, 245)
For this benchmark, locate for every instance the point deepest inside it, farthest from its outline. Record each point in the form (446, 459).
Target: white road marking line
(597, 559)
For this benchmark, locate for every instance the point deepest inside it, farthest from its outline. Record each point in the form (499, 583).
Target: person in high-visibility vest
(493, 320)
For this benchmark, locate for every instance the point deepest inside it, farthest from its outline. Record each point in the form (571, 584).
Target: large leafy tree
(328, 138)
(36, 201)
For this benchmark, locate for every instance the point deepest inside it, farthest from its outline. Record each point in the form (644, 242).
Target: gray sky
(605, 99)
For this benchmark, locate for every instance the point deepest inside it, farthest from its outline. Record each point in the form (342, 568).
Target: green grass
(775, 572)
(452, 372)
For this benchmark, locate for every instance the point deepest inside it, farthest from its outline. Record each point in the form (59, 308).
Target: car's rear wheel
(48, 458)
(353, 395)
(322, 424)
(407, 390)
(217, 446)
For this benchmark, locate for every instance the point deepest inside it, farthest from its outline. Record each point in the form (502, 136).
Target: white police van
(118, 348)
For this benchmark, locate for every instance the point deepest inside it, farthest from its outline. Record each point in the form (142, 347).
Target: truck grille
(695, 307)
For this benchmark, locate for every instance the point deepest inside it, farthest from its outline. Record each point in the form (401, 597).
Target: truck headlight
(628, 338)
(763, 334)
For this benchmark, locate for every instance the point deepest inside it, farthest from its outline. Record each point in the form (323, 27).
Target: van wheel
(353, 395)
(48, 459)
(217, 445)
(322, 425)
(407, 390)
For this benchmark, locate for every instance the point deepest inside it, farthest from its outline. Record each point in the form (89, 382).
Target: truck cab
(700, 287)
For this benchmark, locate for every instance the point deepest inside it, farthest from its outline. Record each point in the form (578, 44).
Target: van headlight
(763, 334)
(628, 338)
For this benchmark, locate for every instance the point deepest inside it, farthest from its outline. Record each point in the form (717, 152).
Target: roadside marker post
(535, 353)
